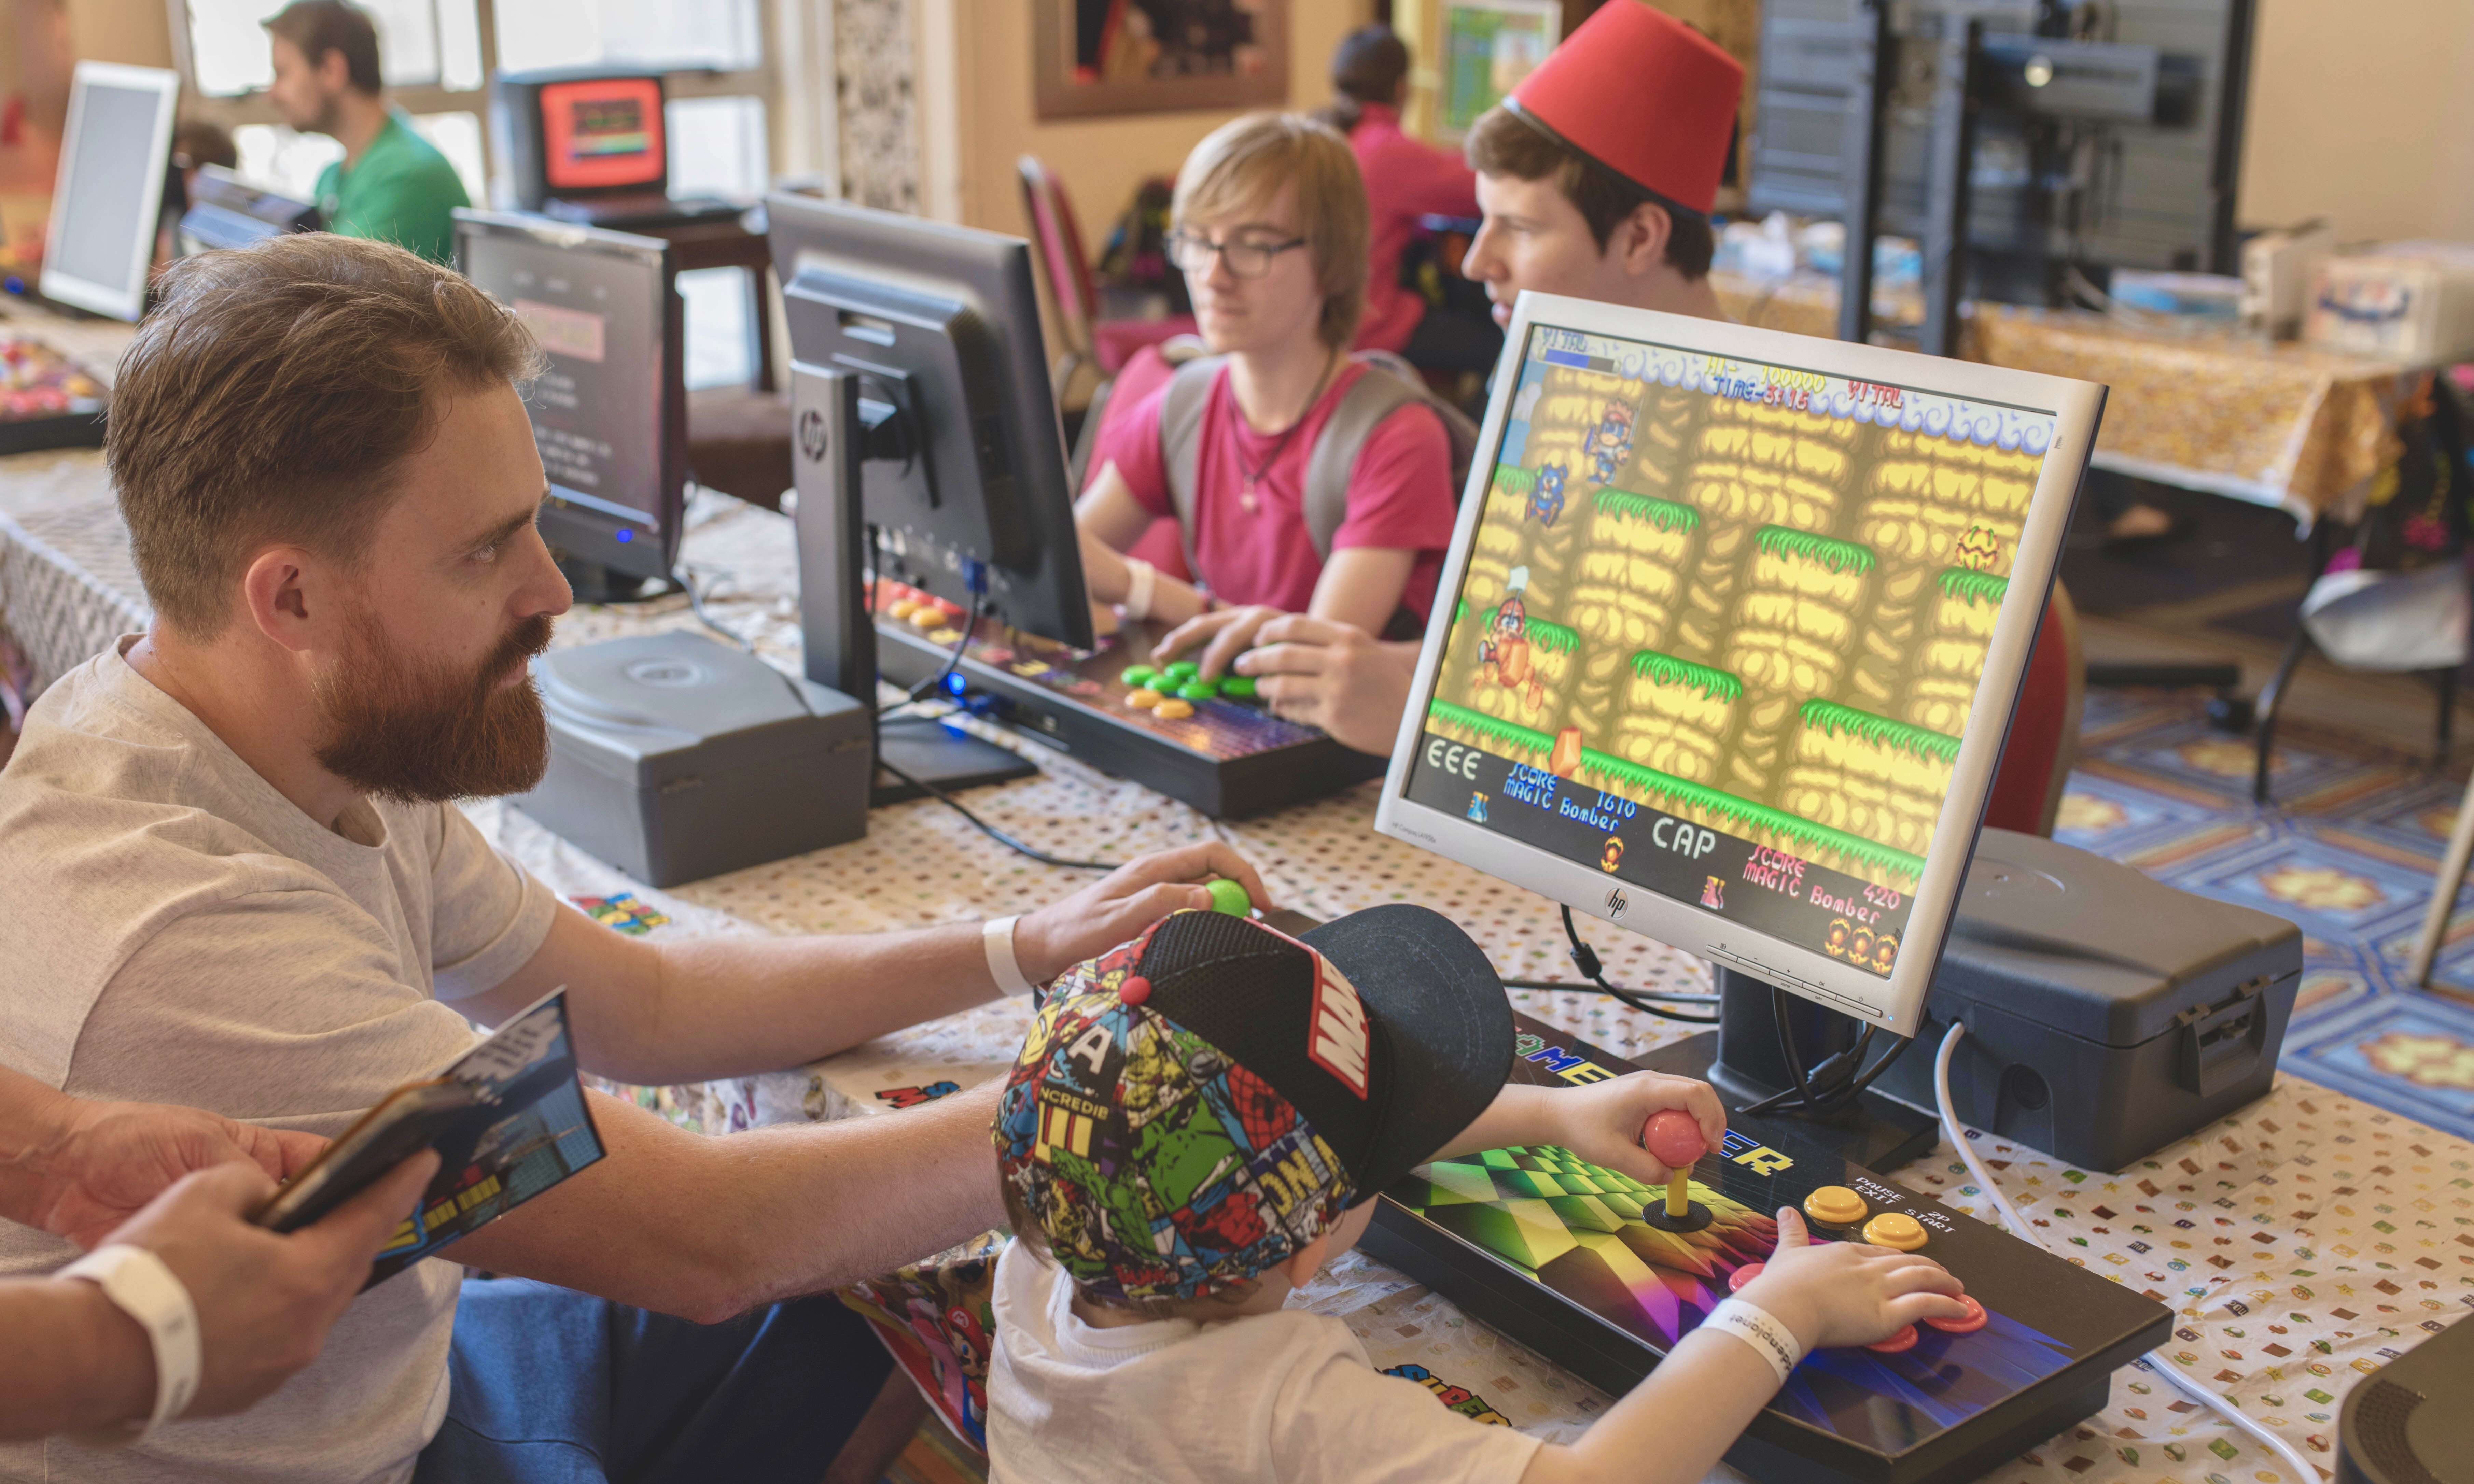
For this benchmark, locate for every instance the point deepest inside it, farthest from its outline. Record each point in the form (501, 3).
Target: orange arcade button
(1834, 1206)
(1895, 1229)
(1903, 1340)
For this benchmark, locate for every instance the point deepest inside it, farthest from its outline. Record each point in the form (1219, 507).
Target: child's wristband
(1760, 1330)
(996, 940)
(139, 1285)
(1142, 579)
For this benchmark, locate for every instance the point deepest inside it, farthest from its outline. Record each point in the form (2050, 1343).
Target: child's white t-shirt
(1287, 1397)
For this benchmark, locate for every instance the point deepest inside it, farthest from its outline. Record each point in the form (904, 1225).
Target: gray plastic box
(2107, 1014)
(674, 757)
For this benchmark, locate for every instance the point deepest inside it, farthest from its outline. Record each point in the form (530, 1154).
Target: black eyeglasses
(1191, 253)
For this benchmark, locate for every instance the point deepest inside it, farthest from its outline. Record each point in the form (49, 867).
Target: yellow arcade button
(1172, 709)
(1895, 1229)
(1834, 1206)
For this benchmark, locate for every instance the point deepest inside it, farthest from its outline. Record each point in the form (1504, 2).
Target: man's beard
(419, 733)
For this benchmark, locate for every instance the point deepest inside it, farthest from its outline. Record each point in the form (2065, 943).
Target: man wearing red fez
(1596, 177)
(1598, 173)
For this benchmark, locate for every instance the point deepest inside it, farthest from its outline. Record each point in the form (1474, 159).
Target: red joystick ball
(1674, 1137)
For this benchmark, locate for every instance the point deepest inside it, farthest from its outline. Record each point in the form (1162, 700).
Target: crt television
(109, 193)
(610, 415)
(940, 324)
(573, 133)
(1730, 635)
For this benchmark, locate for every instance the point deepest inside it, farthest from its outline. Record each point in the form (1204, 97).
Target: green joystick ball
(1138, 677)
(1197, 690)
(1237, 687)
(1229, 897)
(1182, 670)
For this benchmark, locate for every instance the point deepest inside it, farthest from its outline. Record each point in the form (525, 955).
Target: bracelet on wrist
(139, 1283)
(996, 941)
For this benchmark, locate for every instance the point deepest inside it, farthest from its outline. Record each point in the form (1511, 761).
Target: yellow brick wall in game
(1743, 561)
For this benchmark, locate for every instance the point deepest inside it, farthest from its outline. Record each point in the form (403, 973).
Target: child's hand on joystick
(1674, 1137)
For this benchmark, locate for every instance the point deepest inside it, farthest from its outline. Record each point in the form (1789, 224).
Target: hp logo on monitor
(811, 434)
(1616, 904)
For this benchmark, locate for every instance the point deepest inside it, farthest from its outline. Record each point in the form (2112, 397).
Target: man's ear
(1640, 239)
(335, 73)
(288, 598)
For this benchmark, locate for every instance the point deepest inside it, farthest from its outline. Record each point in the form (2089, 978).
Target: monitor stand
(931, 752)
(837, 633)
(1742, 1059)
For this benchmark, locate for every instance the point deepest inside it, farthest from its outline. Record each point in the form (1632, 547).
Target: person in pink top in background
(1406, 179)
(1270, 230)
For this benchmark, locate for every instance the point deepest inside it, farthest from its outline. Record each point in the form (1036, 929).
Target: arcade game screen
(602, 134)
(1721, 626)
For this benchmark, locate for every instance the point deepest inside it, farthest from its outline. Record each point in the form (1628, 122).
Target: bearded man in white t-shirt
(234, 878)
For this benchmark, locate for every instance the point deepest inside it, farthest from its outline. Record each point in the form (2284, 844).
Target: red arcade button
(1736, 1280)
(1973, 1321)
(1903, 1340)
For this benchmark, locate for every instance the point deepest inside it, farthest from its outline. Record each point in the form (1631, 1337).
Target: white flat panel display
(101, 240)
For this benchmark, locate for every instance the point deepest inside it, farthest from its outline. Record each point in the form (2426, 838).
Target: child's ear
(1306, 1262)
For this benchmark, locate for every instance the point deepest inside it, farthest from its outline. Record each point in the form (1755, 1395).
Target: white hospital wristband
(137, 1282)
(996, 937)
(1760, 1330)
(1141, 579)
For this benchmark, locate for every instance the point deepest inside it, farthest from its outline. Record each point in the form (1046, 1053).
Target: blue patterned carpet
(2349, 851)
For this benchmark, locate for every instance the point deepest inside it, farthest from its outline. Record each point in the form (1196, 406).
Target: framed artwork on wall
(1095, 58)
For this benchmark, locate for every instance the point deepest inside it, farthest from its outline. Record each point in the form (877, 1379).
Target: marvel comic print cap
(1195, 1106)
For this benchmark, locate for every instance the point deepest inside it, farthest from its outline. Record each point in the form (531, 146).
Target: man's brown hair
(318, 27)
(273, 394)
(1503, 143)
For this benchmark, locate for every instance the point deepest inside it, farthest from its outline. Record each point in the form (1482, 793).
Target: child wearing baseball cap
(1202, 1117)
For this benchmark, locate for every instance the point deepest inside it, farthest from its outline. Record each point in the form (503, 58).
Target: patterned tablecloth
(2285, 426)
(2302, 1241)
(2276, 424)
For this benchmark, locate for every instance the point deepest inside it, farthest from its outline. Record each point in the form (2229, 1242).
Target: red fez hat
(1643, 94)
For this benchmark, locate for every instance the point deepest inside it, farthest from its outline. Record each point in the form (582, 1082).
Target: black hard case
(2107, 1014)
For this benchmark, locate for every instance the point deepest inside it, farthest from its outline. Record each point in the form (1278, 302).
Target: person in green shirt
(391, 183)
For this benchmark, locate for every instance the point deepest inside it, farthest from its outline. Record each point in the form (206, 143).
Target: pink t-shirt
(1406, 178)
(1400, 495)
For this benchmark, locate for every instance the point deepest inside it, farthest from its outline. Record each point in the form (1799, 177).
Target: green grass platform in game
(1756, 611)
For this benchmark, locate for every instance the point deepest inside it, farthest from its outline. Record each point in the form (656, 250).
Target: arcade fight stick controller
(1210, 743)
(1675, 1139)
(1603, 1275)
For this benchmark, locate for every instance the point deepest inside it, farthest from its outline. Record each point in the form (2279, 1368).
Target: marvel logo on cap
(1337, 1039)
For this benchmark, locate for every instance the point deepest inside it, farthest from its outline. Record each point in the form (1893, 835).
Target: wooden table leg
(2443, 891)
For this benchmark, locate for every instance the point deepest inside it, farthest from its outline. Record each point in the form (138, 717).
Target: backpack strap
(1180, 428)
(1387, 386)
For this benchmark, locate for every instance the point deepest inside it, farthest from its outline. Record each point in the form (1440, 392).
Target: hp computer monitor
(1730, 635)
(610, 415)
(104, 205)
(941, 324)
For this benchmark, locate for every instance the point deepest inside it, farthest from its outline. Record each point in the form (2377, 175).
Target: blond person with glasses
(1270, 229)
